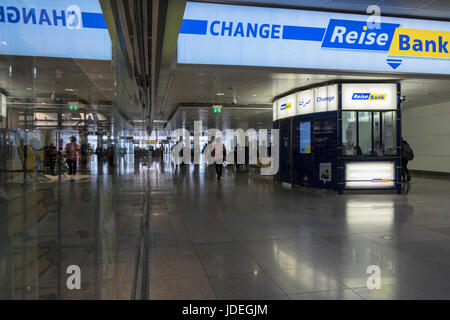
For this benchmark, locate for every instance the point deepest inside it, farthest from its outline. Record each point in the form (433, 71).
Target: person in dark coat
(407, 155)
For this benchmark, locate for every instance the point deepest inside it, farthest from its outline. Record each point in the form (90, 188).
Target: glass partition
(349, 132)
(376, 133)
(369, 133)
(389, 130)
(364, 133)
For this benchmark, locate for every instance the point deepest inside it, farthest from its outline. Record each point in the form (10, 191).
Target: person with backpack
(407, 155)
(72, 150)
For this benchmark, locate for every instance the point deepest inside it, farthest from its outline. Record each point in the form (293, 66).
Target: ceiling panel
(64, 79)
(198, 87)
(420, 8)
(438, 5)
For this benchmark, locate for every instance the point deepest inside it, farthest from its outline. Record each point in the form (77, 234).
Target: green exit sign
(73, 107)
(217, 109)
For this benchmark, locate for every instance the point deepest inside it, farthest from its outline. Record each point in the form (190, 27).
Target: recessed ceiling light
(220, 93)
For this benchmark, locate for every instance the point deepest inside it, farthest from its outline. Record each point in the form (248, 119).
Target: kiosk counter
(341, 136)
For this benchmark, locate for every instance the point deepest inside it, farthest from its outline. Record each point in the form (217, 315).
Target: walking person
(219, 154)
(50, 158)
(407, 155)
(111, 155)
(71, 151)
(84, 151)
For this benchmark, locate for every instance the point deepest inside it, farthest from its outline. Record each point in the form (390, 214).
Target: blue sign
(219, 34)
(48, 28)
(348, 34)
(305, 137)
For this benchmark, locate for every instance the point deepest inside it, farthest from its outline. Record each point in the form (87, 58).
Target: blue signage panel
(221, 34)
(49, 28)
(305, 137)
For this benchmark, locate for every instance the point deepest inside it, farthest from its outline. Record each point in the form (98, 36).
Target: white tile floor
(245, 237)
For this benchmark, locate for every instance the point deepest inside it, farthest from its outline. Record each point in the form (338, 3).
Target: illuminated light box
(321, 99)
(305, 102)
(369, 175)
(286, 107)
(221, 34)
(2, 105)
(60, 29)
(332, 94)
(373, 96)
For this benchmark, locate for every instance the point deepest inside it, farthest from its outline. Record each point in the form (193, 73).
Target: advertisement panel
(305, 137)
(219, 34)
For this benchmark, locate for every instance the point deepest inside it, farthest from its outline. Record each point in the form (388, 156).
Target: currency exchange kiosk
(341, 136)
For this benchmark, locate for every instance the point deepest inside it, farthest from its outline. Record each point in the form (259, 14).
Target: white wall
(427, 130)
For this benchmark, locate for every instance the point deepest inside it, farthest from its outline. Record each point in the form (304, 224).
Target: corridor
(245, 237)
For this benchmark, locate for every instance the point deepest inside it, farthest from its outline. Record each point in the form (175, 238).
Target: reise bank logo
(369, 96)
(286, 106)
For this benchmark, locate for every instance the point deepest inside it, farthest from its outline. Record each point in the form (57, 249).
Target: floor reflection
(244, 237)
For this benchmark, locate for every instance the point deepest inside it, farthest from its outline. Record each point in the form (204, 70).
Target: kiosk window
(389, 133)
(365, 133)
(349, 132)
(369, 133)
(376, 132)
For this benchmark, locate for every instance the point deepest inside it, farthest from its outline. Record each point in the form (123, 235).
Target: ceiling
(188, 91)
(198, 85)
(195, 89)
(231, 117)
(420, 8)
(70, 79)
(38, 81)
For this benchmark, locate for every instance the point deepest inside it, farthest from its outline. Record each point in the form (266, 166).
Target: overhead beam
(164, 40)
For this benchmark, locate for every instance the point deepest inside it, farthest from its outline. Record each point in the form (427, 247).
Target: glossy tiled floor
(245, 237)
